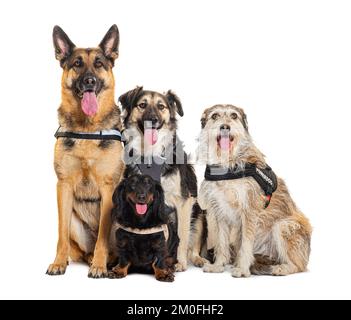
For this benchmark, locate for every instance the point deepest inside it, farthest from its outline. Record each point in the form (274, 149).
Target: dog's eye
(78, 63)
(142, 105)
(234, 115)
(161, 107)
(98, 64)
(215, 116)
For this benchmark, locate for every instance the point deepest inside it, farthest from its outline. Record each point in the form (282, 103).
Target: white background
(287, 63)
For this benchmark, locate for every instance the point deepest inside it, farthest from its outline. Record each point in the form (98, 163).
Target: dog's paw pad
(213, 268)
(240, 273)
(56, 269)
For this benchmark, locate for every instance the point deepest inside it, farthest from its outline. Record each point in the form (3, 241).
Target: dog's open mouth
(225, 141)
(89, 102)
(151, 133)
(141, 208)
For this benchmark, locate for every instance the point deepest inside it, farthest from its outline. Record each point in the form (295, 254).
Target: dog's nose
(153, 119)
(141, 197)
(90, 80)
(225, 127)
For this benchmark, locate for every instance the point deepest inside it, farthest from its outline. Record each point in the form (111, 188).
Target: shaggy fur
(140, 251)
(272, 241)
(178, 178)
(88, 171)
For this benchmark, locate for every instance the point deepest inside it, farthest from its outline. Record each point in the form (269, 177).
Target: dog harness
(162, 228)
(266, 178)
(112, 134)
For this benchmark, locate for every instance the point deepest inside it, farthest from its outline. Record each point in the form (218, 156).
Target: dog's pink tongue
(151, 136)
(141, 208)
(224, 143)
(89, 103)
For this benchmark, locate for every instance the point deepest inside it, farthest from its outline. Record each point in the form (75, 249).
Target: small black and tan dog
(147, 239)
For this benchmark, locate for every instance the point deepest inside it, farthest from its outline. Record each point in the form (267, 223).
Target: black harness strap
(89, 136)
(266, 178)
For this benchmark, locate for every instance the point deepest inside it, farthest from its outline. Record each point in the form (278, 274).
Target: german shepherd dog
(150, 132)
(147, 240)
(88, 171)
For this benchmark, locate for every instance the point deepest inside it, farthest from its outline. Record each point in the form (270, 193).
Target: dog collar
(112, 134)
(162, 228)
(266, 178)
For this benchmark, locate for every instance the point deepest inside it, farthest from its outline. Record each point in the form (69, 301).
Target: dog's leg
(291, 242)
(197, 239)
(218, 235)
(184, 221)
(245, 256)
(98, 268)
(65, 208)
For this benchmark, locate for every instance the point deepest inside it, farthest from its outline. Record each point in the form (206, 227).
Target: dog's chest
(76, 159)
(171, 185)
(227, 198)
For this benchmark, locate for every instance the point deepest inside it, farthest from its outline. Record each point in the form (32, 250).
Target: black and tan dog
(153, 148)
(147, 239)
(88, 160)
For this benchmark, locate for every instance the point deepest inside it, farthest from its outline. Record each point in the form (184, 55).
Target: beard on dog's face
(224, 126)
(140, 193)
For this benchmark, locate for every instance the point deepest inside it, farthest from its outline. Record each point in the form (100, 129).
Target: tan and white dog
(273, 240)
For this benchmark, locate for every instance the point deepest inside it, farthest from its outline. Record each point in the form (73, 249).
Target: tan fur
(235, 209)
(86, 172)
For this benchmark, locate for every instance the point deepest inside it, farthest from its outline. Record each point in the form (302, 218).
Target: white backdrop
(287, 63)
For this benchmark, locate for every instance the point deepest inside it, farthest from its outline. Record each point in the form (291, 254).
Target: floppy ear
(109, 44)
(128, 99)
(159, 203)
(244, 119)
(118, 199)
(204, 118)
(63, 45)
(174, 101)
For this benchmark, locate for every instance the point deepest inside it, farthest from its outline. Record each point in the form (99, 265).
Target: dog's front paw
(181, 266)
(56, 269)
(240, 273)
(166, 276)
(97, 272)
(213, 268)
(199, 261)
(116, 275)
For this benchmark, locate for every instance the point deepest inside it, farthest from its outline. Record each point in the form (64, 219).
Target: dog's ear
(174, 102)
(109, 44)
(159, 203)
(128, 99)
(244, 119)
(63, 45)
(118, 199)
(204, 118)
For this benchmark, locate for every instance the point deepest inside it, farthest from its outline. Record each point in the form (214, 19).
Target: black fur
(68, 144)
(105, 144)
(141, 251)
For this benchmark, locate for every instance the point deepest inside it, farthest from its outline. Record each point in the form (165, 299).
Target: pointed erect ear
(174, 101)
(128, 99)
(63, 45)
(109, 44)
